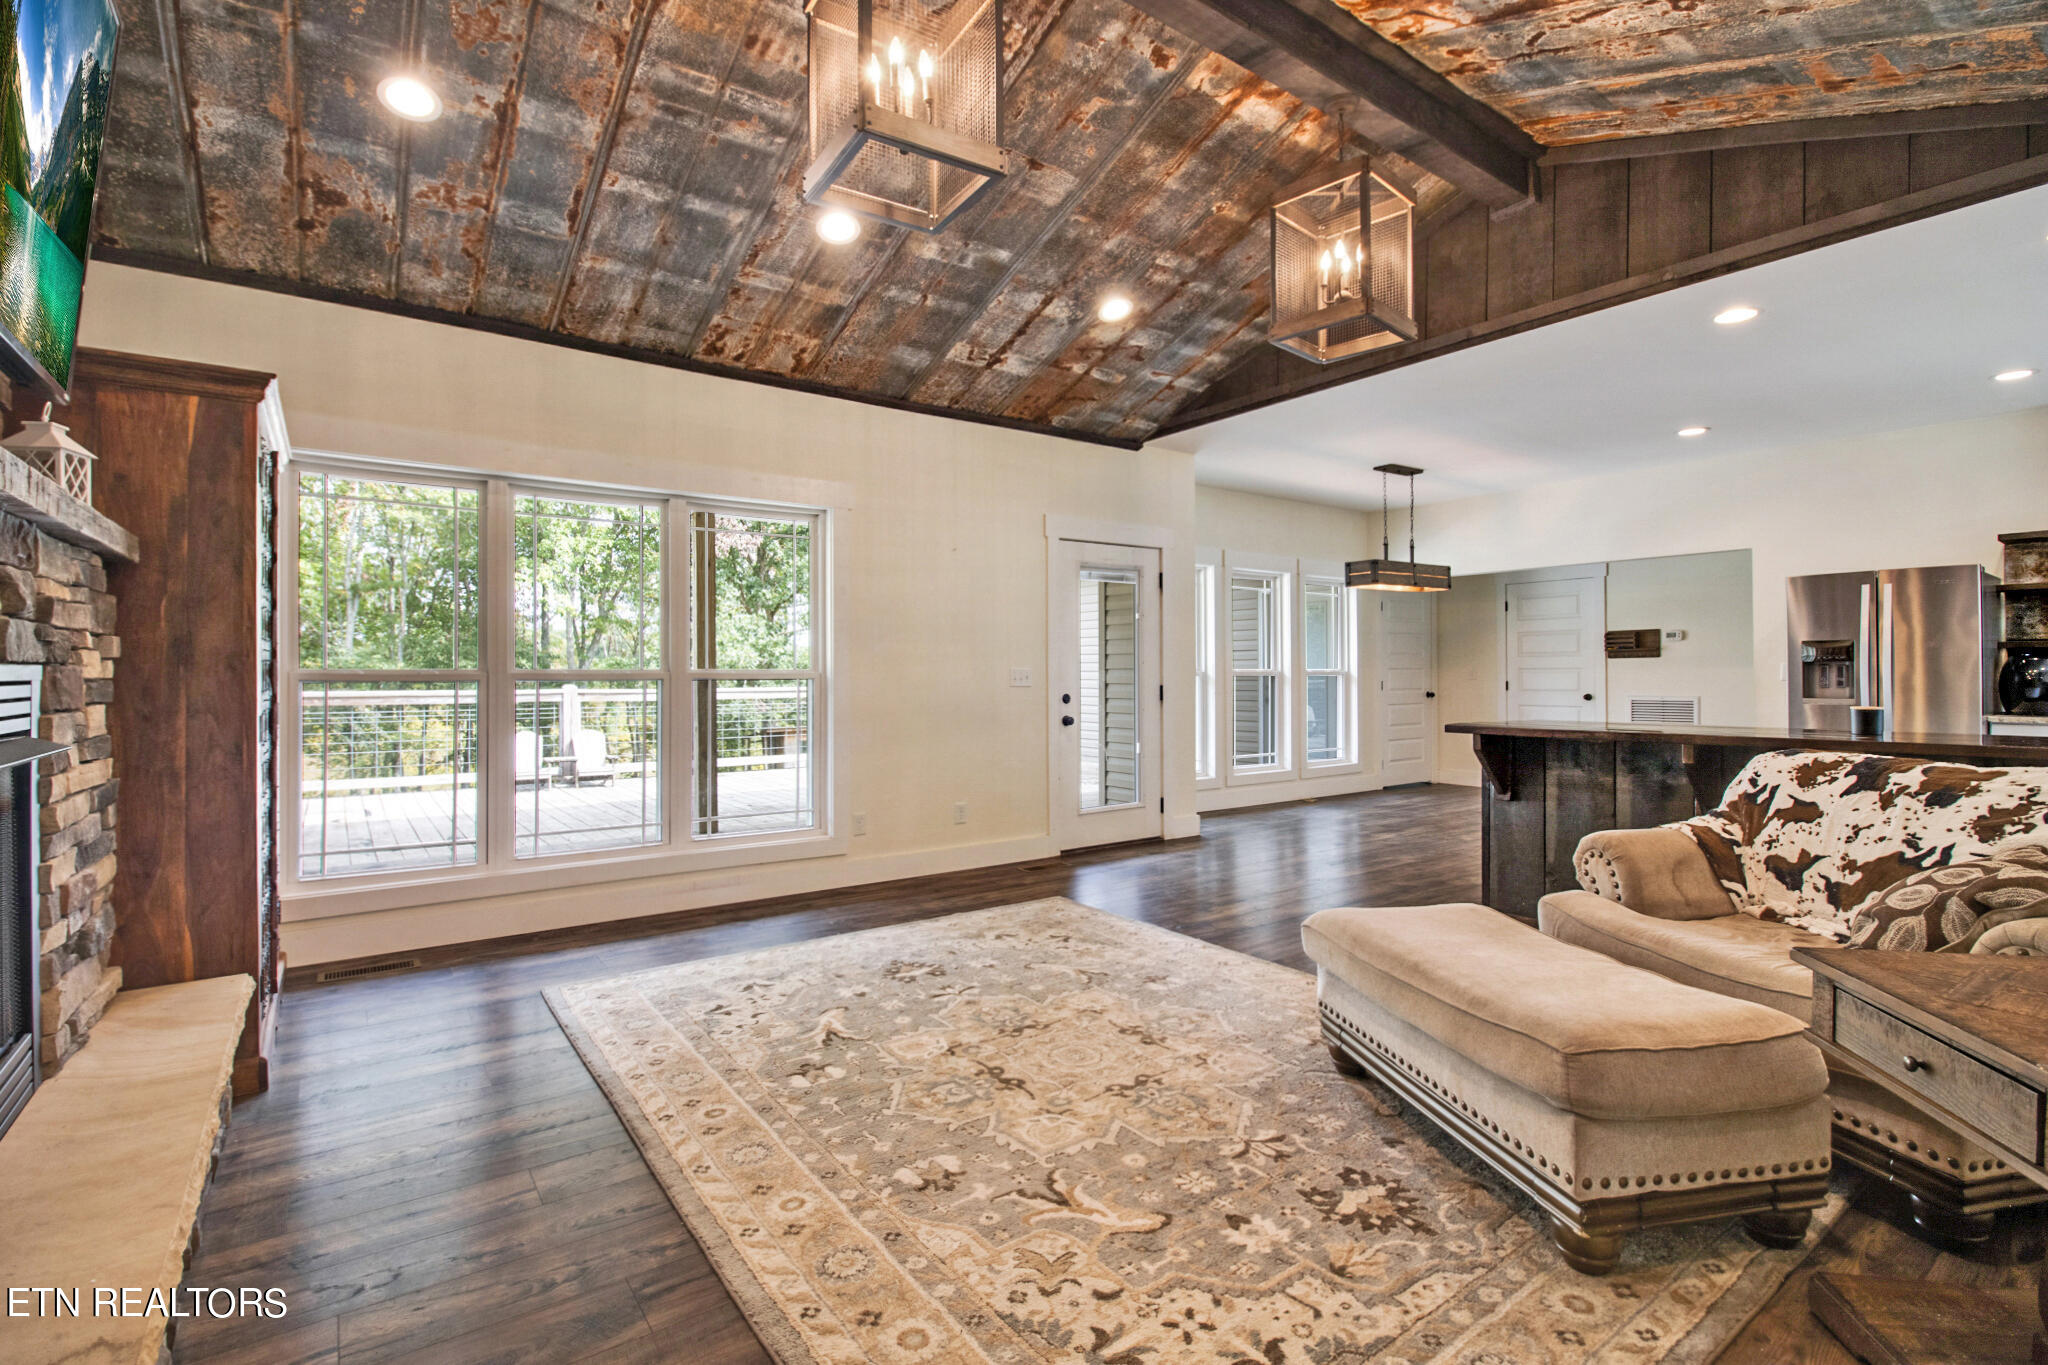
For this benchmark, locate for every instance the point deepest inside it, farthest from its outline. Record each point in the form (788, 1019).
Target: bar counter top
(1967, 748)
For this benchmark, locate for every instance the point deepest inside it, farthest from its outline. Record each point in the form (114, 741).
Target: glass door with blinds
(1105, 681)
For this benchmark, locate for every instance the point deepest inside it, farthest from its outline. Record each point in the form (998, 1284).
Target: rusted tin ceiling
(627, 172)
(1579, 70)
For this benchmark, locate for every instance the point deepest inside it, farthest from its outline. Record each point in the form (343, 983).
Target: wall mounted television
(54, 82)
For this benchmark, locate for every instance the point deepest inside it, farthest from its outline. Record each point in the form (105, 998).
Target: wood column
(179, 464)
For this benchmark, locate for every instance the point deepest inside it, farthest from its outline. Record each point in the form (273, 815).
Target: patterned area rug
(1042, 1132)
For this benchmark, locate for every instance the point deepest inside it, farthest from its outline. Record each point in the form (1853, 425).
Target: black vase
(2023, 682)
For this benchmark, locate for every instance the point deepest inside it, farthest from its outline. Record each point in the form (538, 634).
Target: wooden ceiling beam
(1951, 119)
(1267, 376)
(1319, 53)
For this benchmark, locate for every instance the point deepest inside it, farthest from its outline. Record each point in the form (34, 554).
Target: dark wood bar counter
(1549, 784)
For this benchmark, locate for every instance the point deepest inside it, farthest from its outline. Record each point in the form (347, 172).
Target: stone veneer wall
(55, 610)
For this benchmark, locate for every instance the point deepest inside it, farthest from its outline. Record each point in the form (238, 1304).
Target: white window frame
(1329, 573)
(815, 675)
(497, 871)
(1208, 617)
(1280, 573)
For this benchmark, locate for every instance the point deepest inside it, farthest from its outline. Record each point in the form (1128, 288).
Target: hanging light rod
(1388, 574)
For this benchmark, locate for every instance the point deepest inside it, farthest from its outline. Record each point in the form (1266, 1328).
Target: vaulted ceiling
(626, 173)
(1576, 70)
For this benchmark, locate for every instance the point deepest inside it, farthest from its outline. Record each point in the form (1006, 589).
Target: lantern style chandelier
(1387, 574)
(906, 107)
(1343, 263)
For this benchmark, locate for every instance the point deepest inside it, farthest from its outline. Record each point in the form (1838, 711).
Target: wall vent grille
(1664, 710)
(367, 969)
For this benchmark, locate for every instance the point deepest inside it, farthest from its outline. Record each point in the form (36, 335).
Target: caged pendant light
(906, 107)
(1343, 263)
(1387, 574)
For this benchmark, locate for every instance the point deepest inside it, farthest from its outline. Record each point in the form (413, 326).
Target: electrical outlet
(1674, 635)
(959, 812)
(860, 823)
(1020, 677)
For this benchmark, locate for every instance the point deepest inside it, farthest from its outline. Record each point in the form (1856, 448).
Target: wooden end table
(1964, 1038)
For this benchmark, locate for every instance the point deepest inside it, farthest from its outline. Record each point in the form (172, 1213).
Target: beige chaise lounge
(1613, 1097)
(1801, 839)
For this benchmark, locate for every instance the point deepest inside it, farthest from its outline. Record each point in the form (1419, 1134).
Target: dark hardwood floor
(434, 1177)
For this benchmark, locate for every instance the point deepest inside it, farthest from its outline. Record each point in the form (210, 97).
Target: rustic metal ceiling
(625, 173)
(1578, 70)
(628, 174)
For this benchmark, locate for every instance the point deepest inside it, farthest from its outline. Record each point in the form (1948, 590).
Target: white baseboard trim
(1279, 793)
(386, 932)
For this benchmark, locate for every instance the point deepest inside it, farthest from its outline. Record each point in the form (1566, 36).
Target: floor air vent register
(20, 1062)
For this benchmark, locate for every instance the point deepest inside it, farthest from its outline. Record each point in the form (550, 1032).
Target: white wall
(1930, 495)
(1710, 598)
(938, 565)
(1468, 644)
(1264, 531)
(1226, 519)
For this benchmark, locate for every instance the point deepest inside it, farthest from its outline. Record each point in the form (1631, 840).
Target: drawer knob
(1912, 1063)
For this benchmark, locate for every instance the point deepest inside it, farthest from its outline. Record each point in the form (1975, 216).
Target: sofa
(1818, 849)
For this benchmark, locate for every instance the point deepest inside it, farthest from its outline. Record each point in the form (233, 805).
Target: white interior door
(1103, 609)
(1407, 687)
(1557, 650)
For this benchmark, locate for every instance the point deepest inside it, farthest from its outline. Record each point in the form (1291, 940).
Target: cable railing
(380, 739)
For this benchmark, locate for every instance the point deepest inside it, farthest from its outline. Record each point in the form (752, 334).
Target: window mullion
(495, 762)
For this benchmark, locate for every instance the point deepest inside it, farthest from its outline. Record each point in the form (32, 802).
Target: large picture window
(492, 675)
(388, 674)
(587, 647)
(753, 673)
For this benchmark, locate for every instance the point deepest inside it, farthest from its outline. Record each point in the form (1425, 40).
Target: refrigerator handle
(1884, 655)
(1866, 646)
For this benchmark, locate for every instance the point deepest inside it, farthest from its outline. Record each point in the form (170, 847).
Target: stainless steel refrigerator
(1917, 642)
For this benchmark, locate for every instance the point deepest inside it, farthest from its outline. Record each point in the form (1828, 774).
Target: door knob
(1429, 694)
(1587, 697)
(1066, 720)
(1066, 699)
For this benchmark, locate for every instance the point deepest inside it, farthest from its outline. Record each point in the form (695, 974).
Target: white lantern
(906, 107)
(1343, 264)
(48, 446)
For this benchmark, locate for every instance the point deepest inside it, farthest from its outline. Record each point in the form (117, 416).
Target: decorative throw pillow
(1947, 909)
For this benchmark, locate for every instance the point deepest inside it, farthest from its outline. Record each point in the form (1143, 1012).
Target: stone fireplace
(57, 618)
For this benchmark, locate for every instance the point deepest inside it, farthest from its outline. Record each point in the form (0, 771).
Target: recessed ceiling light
(839, 227)
(409, 97)
(1741, 312)
(2012, 376)
(1692, 431)
(1115, 308)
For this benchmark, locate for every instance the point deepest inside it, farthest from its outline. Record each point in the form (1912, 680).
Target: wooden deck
(392, 831)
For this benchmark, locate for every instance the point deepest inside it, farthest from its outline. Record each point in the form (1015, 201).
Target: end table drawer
(2005, 1109)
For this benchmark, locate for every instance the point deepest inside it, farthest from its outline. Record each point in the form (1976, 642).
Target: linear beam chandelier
(906, 107)
(1387, 574)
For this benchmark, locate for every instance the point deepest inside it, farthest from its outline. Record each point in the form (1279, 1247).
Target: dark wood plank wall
(177, 447)
(1600, 225)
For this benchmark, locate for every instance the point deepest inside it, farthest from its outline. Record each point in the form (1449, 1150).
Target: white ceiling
(1899, 329)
